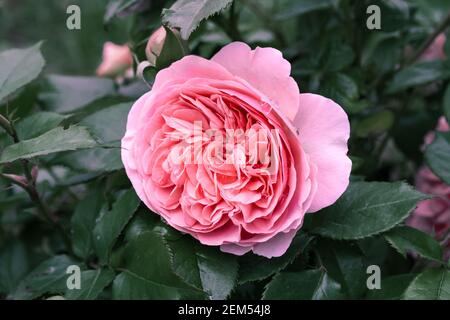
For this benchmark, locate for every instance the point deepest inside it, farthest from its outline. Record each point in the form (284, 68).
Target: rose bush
(239, 205)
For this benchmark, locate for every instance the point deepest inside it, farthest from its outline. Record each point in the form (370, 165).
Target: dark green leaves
(418, 74)
(112, 222)
(432, 284)
(187, 14)
(365, 209)
(300, 7)
(92, 284)
(83, 222)
(254, 267)
(204, 267)
(53, 141)
(392, 288)
(446, 103)
(172, 50)
(437, 156)
(49, 277)
(311, 285)
(147, 272)
(405, 239)
(19, 67)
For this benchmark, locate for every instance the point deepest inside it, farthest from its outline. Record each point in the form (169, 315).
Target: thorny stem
(30, 185)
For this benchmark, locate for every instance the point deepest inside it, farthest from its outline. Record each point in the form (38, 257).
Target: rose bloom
(117, 60)
(432, 215)
(288, 150)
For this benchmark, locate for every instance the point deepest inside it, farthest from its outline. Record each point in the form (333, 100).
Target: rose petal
(266, 70)
(324, 130)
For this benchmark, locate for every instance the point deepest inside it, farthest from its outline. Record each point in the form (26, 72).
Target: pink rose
(117, 59)
(230, 152)
(155, 44)
(432, 215)
(436, 50)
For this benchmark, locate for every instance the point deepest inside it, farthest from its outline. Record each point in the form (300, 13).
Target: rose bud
(117, 60)
(155, 44)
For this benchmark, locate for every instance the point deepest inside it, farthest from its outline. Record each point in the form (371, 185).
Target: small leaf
(13, 266)
(204, 267)
(392, 288)
(304, 285)
(92, 284)
(405, 239)
(18, 67)
(49, 277)
(365, 209)
(55, 140)
(37, 124)
(187, 14)
(375, 124)
(69, 93)
(147, 272)
(437, 156)
(432, 284)
(111, 224)
(345, 262)
(254, 267)
(83, 222)
(418, 74)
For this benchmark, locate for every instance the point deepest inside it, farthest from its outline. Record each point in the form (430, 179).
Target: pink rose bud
(155, 44)
(229, 151)
(436, 50)
(117, 59)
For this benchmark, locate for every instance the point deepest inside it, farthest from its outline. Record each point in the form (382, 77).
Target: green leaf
(374, 42)
(83, 222)
(172, 50)
(418, 74)
(13, 265)
(55, 140)
(365, 209)
(204, 267)
(108, 124)
(446, 103)
(70, 93)
(375, 124)
(341, 88)
(437, 156)
(111, 224)
(405, 239)
(345, 262)
(304, 285)
(432, 284)
(187, 14)
(254, 267)
(19, 67)
(37, 124)
(49, 277)
(392, 288)
(300, 7)
(337, 57)
(147, 272)
(92, 284)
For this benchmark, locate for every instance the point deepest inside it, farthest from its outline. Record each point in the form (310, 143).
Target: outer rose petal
(324, 130)
(266, 70)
